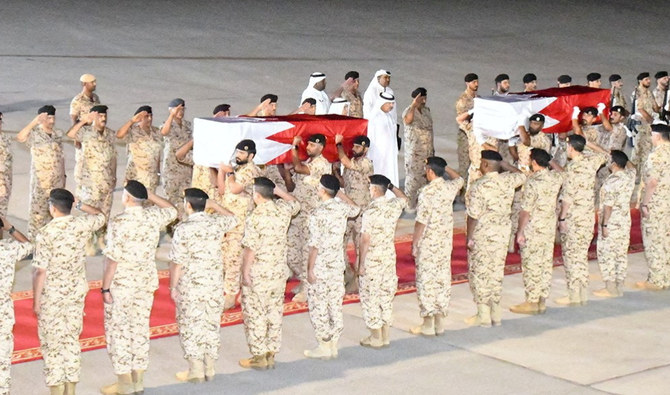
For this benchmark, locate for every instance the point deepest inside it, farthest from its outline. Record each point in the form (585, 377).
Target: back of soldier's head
(540, 156)
(264, 187)
(197, 198)
(62, 200)
(437, 165)
(619, 158)
(577, 142)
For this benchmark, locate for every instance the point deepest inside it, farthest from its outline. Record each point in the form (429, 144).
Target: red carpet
(26, 342)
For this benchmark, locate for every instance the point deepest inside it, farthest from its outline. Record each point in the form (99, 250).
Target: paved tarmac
(212, 52)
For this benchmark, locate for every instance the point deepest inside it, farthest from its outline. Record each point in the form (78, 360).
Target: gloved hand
(601, 108)
(575, 112)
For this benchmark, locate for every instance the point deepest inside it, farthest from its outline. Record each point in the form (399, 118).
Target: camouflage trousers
(38, 201)
(59, 325)
(148, 178)
(325, 304)
(297, 249)
(655, 231)
(613, 249)
(486, 261)
(516, 210)
(353, 232)
(199, 320)
(473, 175)
(174, 183)
(272, 172)
(433, 276)
(416, 153)
(232, 262)
(6, 345)
(643, 147)
(537, 261)
(560, 153)
(5, 193)
(377, 290)
(262, 310)
(463, 154)
(575, 244)
(127, 329)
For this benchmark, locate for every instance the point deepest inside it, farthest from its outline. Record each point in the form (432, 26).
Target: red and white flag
(214, 139)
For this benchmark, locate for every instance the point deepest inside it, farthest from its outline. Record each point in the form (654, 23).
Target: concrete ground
(212, 52)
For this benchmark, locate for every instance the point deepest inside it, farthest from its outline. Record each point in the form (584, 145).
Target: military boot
(572, 299)
(526, 308)
(583, 295)
(270, 357)
(123, 386)
(619, 287)
(496, 314)
(610, 290)
(69, 388)
(258, 362)
(195, 372)
(57, 389)
(229, 302)
(482, 318)
(374, 340)
(440, 323)
(542, 305)
(210, 369)
(427, 328)
(386, 334)
(332, 344)
(322, 351)
(138, 381)
(646, 285)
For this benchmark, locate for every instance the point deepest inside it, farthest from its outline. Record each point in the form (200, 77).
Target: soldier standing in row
(60, 287)
(264, 271)
(80, 107)
(377, 271)
(418, 144)
(196, 282)
(432, 244)
(464, 104)
(144, 145)
(617, 98)
(47, 165)
(129, 281)
(645, 106)
(5, 171)
(175, 176)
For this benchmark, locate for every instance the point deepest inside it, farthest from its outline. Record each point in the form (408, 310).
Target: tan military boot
(195, 372)
(258, 362)
(427, 328)
(386, 334)
(646, 285)
(270, 357)
(300, 297)
(210, 369)
(90, 249)
(526, 308)
(542, 305)
(496, 314)
(374, 340)
(69, 388)
(572, 299)
(333, 347)
(322, 351)
(229, 302)
(583, 295)
(482, 318)
(610, 291)
(138, 381)
(57, 389)
(619, 288)
(124, 386)
(440, 323)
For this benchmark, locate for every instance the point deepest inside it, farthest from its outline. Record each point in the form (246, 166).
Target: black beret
(352, 74)
(221, 107)
(530, 77)
(660, 128)
(61, 194)
(642, 76)
(593, 77)
(471, 77)
(247, 146)
(436, 161)
(537, 118)
(100, 109)
(491, 155)
(318, 138)
(195, 193)
(419, 91)
(273, 98)
(615, 77)
(590, 110)
(620, 110)
(362, 140)
(49, 109)
(310, 100)
(177, 102)
(136, 189)
(564, 79)
(144, 108)
(331, 182)
(661, 74)
(501, 77)
(378, 179)
(264, 182)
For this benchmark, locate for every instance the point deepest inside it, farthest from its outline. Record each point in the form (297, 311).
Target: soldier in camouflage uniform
(379, 281)
(325, 291)
(614, 218)
(418, 143)
(661, 91)
(129, 282)
(536, 232)
(306, 178)
(614, 139)
(488, 231)
(5, 171)
(79, 108)
(196, 282)
(60, 287)
(264, 271)
(645, 106)
(617, 96)
(11, 252)
(349, 91)
(234, 186)
(586, 128)
(47, 167)
(357, 171)
(655, 209)
(176, 131)
(577, 216)
(98, 166)
(465, 104)
(144, 144)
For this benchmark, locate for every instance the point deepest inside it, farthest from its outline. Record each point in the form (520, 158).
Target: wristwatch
(11, 230)
(104, 291)
(296, 147)
(78, 205)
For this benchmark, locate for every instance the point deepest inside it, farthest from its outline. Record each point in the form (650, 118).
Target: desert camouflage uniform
(618, 98)
(81, 105)
(380, 282)
(131, 243)
(59, 250)
(659, 95)
(464, 104)
(560, 152)
(176, 176)
(10, 253)
(475, 155)
(614, 140)
(591, 133)
(418, 147)
(540, 195)
(144, 156)
(5, 172)
(306, 187)
(238, 204)
(272, 172)
(490, 204)
(47, 171)
(327, 224)
(613, 249)
(579, 192)
(656, 227)
(433, 254)
(643, 146)
(355, 103)
(196, 247)
(357, 187)
(263, 301)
